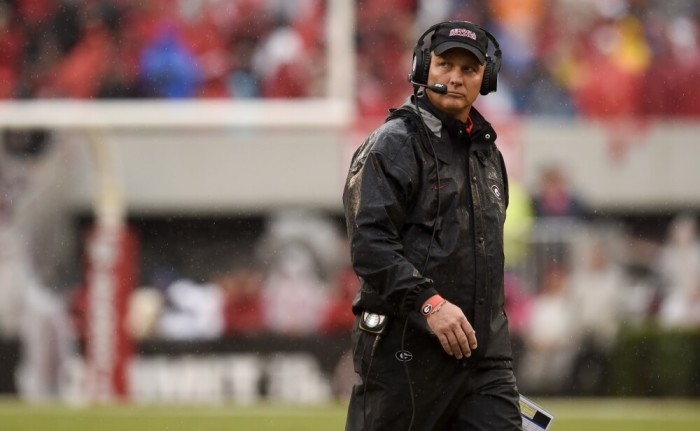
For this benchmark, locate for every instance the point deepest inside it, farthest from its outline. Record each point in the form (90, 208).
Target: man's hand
(453, 330)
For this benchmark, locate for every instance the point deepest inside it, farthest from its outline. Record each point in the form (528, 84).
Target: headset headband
(421, 62)
(492, 38)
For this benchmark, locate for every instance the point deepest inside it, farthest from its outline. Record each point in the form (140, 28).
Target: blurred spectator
(243, 306)
(243, 83)
(283, 76)
(145, 307)
(295, 297)
(339, 317)
(79, 75)
(168, 67)
(300, 254)
(192, 311)
(559, 214)
(32, 228)
(551, 340)
(555, 197)
(676, 45)
(612, 60)
(644, 290)
(679, 264)
(599, 290)
(518, 307)
(518, 226)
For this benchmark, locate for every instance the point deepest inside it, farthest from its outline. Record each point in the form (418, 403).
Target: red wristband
(431, 305)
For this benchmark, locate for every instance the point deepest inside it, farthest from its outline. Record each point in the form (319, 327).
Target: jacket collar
(451, 124)
(441, 147)
(433, 122)
(482, 137)
(436, 120)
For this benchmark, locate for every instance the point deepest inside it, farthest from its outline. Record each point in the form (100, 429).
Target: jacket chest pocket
(491, 186)
(435, 203)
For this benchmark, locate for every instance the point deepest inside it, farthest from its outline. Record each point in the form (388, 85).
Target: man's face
(461, 72)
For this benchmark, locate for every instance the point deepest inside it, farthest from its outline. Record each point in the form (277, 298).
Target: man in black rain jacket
(425, 203)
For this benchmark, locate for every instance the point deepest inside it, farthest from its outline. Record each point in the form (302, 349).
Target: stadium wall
(628, 168)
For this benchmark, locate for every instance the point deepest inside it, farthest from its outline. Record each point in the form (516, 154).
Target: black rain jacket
(402, 250)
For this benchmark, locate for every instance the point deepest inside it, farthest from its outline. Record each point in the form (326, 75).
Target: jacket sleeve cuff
(422, 297)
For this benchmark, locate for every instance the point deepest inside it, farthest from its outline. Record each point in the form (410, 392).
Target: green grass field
(571, 415)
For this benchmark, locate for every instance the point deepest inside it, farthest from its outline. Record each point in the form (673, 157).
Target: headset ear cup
(421, 65)
(489, 80)
(426, 66)
(493, 76)
(414, 67)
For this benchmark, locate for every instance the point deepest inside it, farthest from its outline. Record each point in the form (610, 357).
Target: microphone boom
(438, 88)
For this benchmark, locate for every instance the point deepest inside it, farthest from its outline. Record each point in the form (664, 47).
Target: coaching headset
(421, 63)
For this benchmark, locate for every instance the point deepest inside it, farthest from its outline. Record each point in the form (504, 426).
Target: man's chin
(454, 109)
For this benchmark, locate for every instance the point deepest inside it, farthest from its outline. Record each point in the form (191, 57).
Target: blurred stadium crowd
(165, 49)
(573, 280)
(592, 58)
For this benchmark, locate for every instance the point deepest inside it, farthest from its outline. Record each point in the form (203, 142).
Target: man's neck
(446, 119)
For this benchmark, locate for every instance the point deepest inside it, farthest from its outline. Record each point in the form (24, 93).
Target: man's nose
(456, 77)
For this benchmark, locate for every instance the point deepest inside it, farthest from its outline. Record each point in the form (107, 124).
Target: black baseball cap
(460, 34)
